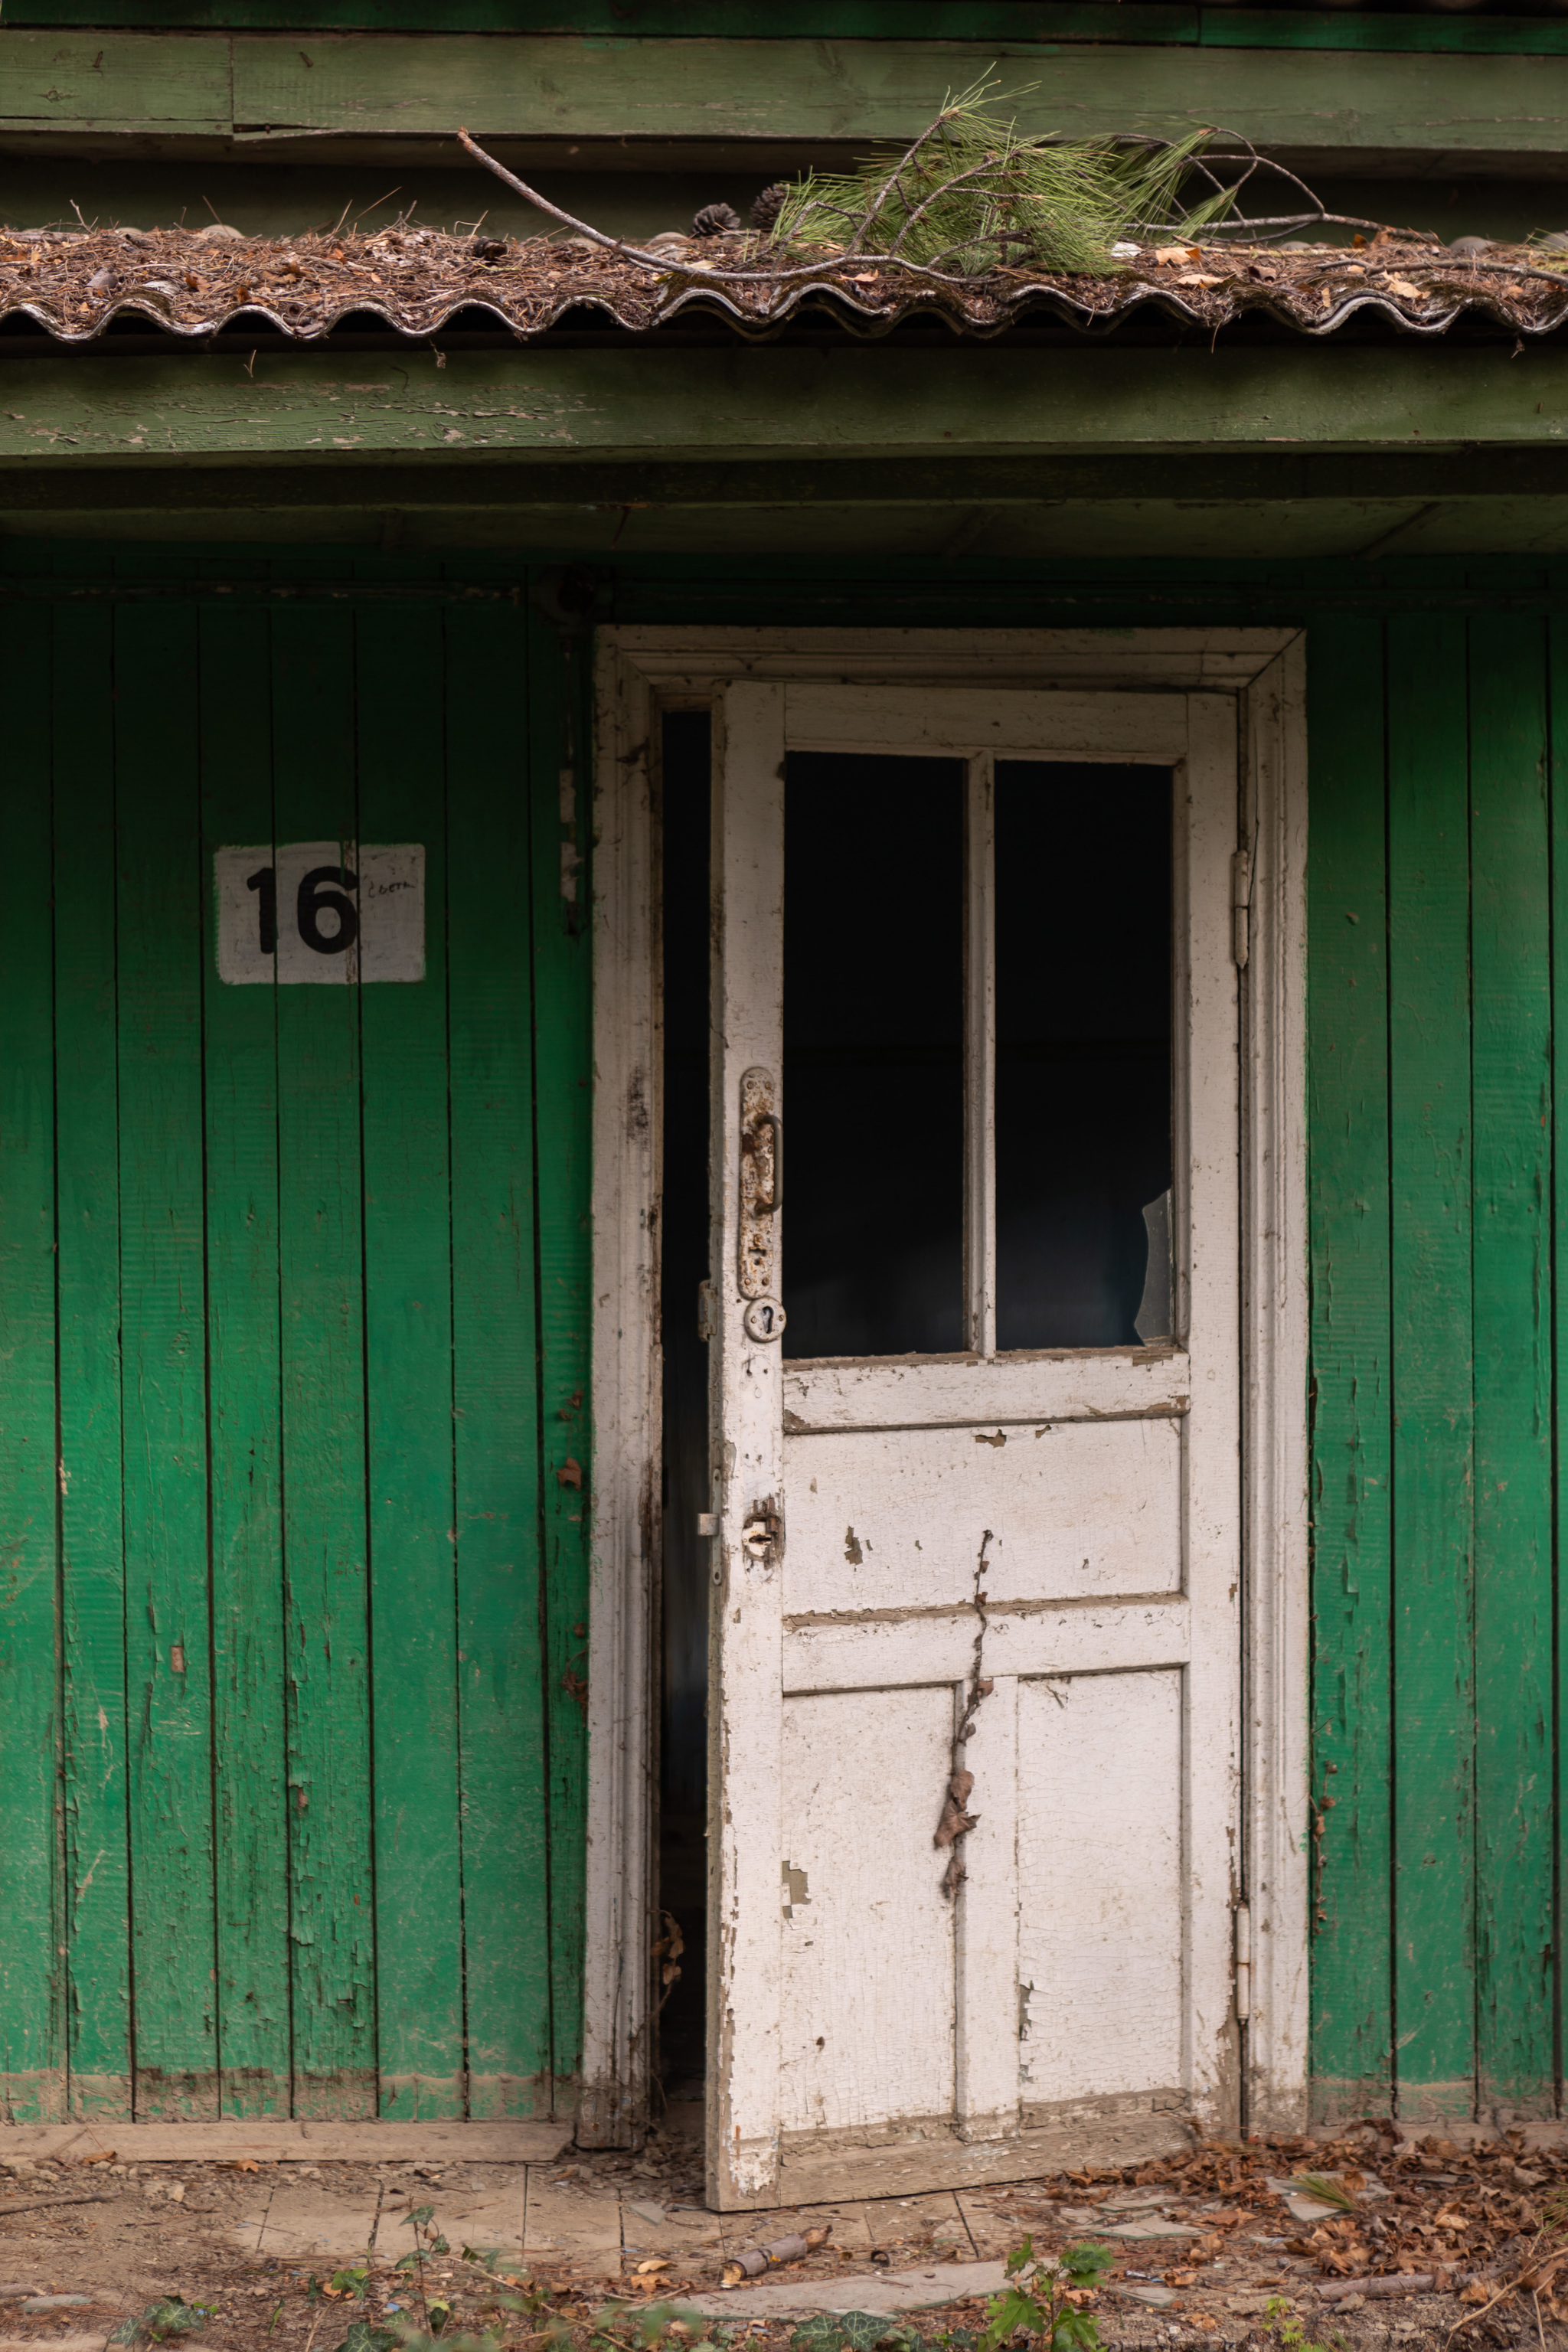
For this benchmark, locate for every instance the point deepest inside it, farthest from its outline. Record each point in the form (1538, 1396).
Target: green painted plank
(560, 737)
(1045, 21)
(92, 1534)
(409, 1341)
(1429, 1054)
(32, 2052)
(1512, 1084)
(1557, 686)
(250, 1771)
(860, 403)
(112, 80)
(496, 1344)
(321, 1287)
(168, 1659)
(1351, 1435)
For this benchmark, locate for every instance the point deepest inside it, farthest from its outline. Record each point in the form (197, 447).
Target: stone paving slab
(914, 2290)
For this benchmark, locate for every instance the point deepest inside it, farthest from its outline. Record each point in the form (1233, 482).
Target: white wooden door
(1016, 1565)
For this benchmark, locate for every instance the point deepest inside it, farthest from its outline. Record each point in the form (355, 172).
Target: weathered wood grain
(92, 1543)
(250, 1775)
(164, 1314)
(321, 1291)
(828, 20)
(1352, 1439)
(1430, 1272)
(854, 403)
(1557, 695)
(501, 1707)
(1511, 1093)
(561, 869)
(275, 2139)
(399, 704)
(32, 2050)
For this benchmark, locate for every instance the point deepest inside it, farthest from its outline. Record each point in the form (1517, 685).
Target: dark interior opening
(683, 1746)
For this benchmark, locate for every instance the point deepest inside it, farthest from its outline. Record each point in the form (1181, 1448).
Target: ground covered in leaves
(1222, 2243)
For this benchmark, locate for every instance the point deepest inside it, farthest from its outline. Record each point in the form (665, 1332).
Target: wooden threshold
(283, 2141)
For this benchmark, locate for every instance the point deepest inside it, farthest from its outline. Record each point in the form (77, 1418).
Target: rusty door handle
(770, 1118)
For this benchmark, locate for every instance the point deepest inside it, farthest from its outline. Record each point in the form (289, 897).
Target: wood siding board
(408, 1343)
(250, 1777)
(560, 735)
(32, 2055)
(331, 1901)
(168, 1661)
(92, 1534)
(495, 1341)
(1557, 688)
(1514, 1795)
(1429, 1052)
(1352, 1437)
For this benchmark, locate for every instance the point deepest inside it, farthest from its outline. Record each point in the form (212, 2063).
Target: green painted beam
(481, 410)
(415, 90)
(1009, 21)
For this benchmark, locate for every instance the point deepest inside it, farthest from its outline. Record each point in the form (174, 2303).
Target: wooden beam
(277, 2140)
(184, 90)
(775, 411)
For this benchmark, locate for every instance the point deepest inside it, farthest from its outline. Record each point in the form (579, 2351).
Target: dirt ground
(1212, 2248)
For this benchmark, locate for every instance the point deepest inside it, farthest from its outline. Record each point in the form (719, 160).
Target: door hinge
(1241, 907)
(1243, 1963)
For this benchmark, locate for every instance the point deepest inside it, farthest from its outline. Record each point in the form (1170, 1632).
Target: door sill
(1112, 2132)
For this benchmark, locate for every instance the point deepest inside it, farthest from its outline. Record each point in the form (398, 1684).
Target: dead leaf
(1474, 2292)
(240, 2164)
(1196, 278)
(1403, 288)
(645, 2268)
(1177, 253)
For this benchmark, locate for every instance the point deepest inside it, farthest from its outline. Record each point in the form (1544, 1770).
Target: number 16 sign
(328, 911)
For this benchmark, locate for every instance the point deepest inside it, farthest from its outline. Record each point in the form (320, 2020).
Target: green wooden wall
(293, 1296)
(1439, 912)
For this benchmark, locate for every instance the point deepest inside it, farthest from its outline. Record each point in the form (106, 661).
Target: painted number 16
(312, 899)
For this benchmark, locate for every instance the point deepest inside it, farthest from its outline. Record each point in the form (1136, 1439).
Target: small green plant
(851, 2331)
(169, 2318)
(1289, 2333)
(1042, 2299)
(973, 192)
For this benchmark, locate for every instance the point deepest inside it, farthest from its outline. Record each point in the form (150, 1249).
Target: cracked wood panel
(399, 716)
(1099, 1950)
(950, 405)
(1352, 1437)
(32, 2052)
(1511, 1093)
(495, 1393)
(559, 850)
(91, 1530)
(892, 1518)
(1431, 1274)
(168, 1667)
(247, 1569)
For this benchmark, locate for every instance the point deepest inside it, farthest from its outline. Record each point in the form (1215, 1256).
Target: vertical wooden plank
(1513, 1461)
(1350, 1436)
(495, 1350)
(320, 1244)
(169, 1698)
(32, 2058)
(560, 733)
(250, 1789)
(93, 1540)
(409, 1341)
(1429, 1052)
(1557, 682)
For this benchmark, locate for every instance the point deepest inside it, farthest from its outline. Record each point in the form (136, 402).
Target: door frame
(638, 671)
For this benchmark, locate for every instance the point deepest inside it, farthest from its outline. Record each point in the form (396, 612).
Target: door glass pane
(1083, 1051)
(873, 1073)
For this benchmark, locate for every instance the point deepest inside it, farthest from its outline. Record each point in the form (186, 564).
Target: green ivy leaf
(420, 2215)
(1086, 2262)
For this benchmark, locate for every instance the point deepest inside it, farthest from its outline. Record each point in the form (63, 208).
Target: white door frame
(639, 669)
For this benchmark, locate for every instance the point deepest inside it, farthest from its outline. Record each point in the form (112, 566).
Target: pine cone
(768, 207)
(715, 220)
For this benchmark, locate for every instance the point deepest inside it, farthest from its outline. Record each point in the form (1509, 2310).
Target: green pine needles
(972, 196)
